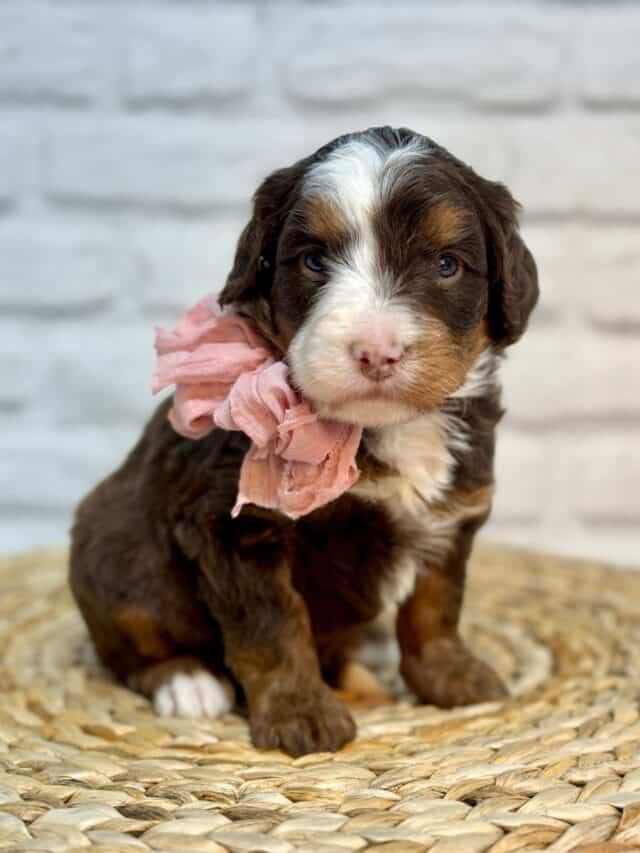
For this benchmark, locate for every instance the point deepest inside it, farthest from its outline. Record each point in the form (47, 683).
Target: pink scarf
(226, 376)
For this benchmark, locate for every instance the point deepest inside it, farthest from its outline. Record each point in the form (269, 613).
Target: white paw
(196, 694)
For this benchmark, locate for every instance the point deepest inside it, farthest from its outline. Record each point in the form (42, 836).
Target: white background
(132, 134)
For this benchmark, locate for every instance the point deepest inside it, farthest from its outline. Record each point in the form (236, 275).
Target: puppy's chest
(412, 471)
(412, 468)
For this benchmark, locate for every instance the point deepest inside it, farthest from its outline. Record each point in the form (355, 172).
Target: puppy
(390, 277)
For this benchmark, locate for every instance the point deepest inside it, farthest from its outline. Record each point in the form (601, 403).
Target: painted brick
(607, 367)
(587, 271)
(551, 248)
(175, 56)
(489, 150)
(577, 165)
(180, 264)
(147, 162)
(541, 377)
(32, 477)
(552, 375)
(23, 366)
(8, 187)
(48, 268)
(521, 477)
(409, 50)
(53, 51)
(101, 374)
(607, 467)
(607, 57)
(16, 159)
(611, 275)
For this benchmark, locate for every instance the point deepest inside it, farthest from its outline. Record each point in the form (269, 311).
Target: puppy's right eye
(314, 263)
(448, 266)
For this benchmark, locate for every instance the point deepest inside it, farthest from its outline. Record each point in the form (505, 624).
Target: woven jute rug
(84, 763)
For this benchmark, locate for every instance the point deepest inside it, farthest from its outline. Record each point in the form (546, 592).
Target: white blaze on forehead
(349, 176)
(357, 175)
(351, 179)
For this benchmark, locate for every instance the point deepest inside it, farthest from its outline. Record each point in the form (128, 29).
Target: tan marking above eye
(324, 220)
(445, 224)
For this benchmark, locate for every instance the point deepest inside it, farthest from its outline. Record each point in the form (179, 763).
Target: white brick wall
(132, 134)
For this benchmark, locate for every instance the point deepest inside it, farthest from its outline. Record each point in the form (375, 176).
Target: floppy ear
(251, 275)
(513, 284)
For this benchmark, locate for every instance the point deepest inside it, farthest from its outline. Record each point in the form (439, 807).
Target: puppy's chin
(371, 412)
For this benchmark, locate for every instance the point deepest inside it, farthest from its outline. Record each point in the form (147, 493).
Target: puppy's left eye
(313, 265)
(314, 261)
(448, 266)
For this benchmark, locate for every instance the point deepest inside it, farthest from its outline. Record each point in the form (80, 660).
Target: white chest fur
(422, 465)
(420, 454)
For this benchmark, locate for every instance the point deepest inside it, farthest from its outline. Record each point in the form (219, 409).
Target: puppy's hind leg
(184, 687)
(133, 642)
(178, 685)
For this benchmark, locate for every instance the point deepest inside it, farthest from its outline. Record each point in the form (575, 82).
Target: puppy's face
(384, 268)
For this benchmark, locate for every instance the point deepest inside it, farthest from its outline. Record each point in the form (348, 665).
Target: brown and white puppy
(391, 277)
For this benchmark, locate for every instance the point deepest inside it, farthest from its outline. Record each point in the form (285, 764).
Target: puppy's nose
(377, 359)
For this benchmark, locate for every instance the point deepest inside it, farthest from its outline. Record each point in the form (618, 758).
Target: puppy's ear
(513, 277)
(251, 275)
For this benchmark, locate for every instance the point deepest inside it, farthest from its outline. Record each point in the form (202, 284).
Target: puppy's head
(383, 268)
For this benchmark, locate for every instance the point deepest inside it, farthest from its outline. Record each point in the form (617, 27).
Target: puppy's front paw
(192, 694)
(447, 674)
(301, 722)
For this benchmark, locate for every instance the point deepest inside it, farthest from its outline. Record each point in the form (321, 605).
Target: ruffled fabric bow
(226, 376)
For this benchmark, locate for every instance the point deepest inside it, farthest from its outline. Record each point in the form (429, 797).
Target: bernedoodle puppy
(390, 278)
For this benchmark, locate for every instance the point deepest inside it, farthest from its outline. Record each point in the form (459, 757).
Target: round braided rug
(84, 763)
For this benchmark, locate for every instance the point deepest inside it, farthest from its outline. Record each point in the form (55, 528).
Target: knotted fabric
(226, 375)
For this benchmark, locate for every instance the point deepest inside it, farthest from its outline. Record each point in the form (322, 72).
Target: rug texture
(85, 764)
